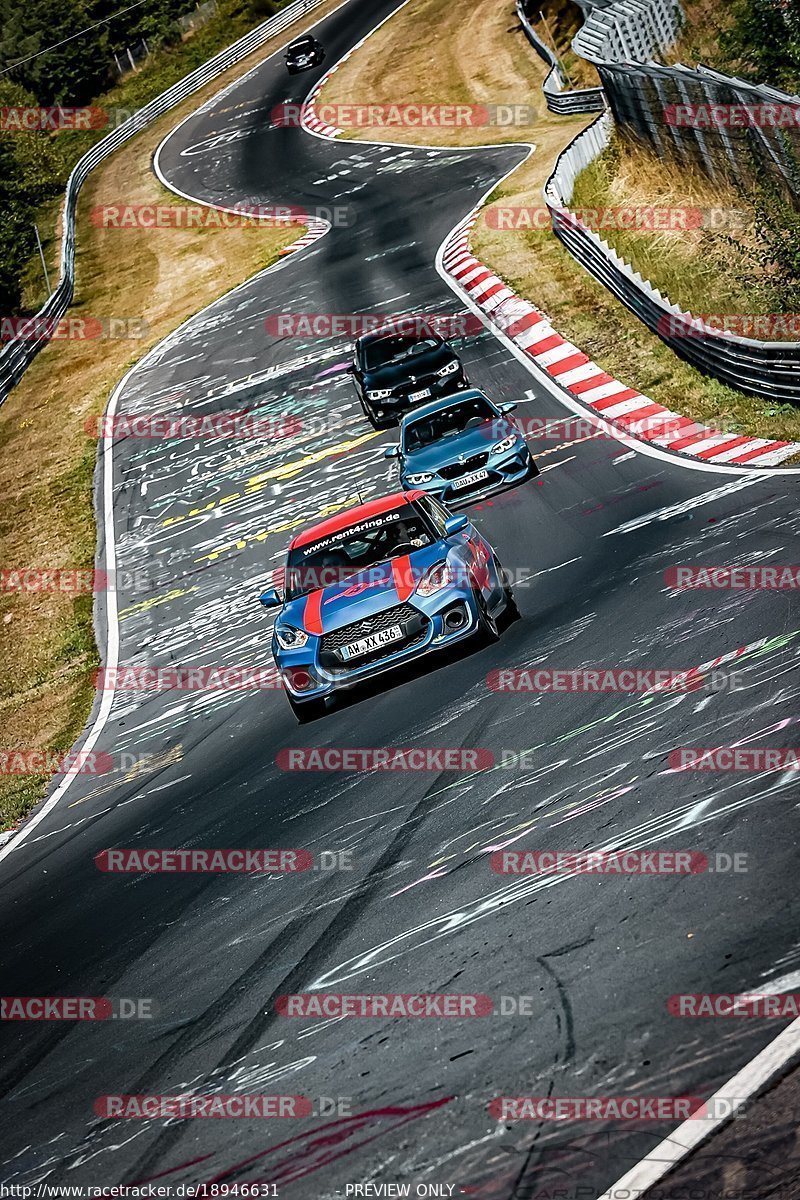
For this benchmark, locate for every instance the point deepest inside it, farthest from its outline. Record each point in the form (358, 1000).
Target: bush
(763, 42)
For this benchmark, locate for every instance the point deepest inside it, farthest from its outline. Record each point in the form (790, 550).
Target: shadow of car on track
(349, 697)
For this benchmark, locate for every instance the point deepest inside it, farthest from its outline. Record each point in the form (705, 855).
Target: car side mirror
(454, 525)
(350, 370)
(271, 598)
(504, 408)
(392, 451)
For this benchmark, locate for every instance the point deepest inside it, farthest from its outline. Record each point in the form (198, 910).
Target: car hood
(363, 594)
(418, 366)
(464, 445)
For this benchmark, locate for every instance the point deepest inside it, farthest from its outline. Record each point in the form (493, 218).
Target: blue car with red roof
(376, 587)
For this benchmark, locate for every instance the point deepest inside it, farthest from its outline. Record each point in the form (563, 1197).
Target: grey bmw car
(462, 448)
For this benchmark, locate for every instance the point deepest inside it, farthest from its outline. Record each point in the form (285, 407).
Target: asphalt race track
(198, 526)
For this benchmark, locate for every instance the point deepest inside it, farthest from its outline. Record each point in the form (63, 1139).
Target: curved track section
(205, 522)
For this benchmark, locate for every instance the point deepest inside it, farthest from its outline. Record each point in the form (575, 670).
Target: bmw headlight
(379, 393)
(289, 637)
(449, 369)
(416, 480)
(506, 444)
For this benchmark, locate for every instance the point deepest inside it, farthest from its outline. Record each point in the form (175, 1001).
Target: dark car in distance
(303, 54)
(394, 371)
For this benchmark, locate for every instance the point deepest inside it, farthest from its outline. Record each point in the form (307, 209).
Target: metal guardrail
(557, 99)
(767, 369)
(16, 355)
(628, 30)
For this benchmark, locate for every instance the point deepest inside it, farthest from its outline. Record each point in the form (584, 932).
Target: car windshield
(447, 422)
(396, 348)
(301, 47)
(401, 530)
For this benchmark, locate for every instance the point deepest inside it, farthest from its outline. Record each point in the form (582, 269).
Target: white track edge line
(19, 836)
(773, 1059)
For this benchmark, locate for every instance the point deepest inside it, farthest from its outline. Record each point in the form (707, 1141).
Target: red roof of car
(353, 515)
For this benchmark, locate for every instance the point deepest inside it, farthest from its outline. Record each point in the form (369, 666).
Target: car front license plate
(466, 480)
(373, 641)
(419, 395)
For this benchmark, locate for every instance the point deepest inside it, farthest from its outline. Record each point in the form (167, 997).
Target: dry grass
(699, 42)
(478, 55)
(696, 265)
(562, 20)
(47, 647)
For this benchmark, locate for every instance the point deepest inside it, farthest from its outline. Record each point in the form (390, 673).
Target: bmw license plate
(419, 395)
(466, 480)
(373, 641)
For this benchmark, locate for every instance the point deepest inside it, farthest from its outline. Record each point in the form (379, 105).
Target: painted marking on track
(676, 510)
(154, 601)
(286, 471)
(241, 543)
(148, 766)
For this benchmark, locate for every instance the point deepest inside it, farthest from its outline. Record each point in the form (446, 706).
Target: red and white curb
(308, 113)
(317, 228)
(612, 400)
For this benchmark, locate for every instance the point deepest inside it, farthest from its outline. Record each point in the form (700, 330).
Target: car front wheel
(487, 632)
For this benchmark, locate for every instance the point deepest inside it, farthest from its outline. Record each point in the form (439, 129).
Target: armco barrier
(767, 369)
(16, 355)
(580, 100)
(617, 38)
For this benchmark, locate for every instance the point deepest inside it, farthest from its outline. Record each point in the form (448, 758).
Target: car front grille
(400, 614)
(456, 470)
(422, 381)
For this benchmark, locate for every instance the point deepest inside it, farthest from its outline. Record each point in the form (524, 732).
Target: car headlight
(449, 369)
(438, 577)
(379, 393)
(506, 444)
(289, 637)
(416, 480)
